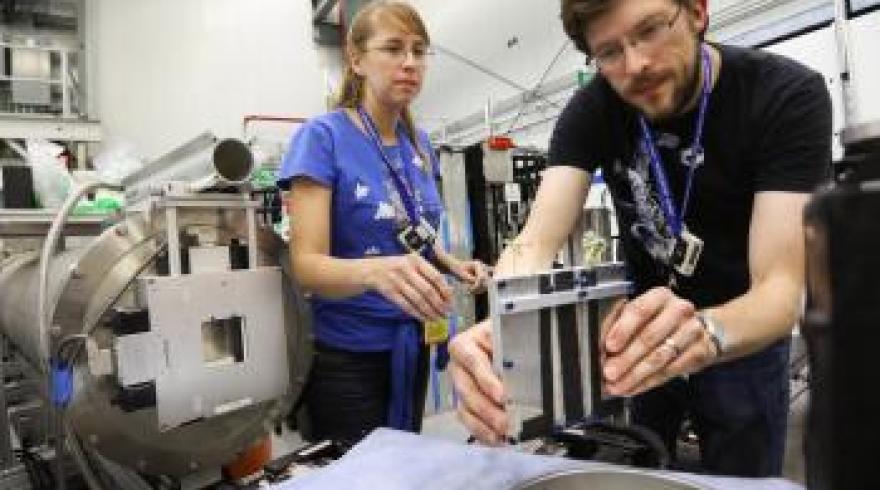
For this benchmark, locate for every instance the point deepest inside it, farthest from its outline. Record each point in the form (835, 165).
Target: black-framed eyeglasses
(646, 37)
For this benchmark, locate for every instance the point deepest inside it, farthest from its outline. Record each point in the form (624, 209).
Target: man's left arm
(769, 310)
(658, 335)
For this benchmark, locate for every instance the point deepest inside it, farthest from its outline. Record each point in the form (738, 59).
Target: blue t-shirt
(366, 214)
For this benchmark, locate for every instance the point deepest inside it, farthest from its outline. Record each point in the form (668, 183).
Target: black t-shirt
(767, 128)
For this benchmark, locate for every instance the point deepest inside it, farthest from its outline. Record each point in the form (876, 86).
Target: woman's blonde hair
(363, 27)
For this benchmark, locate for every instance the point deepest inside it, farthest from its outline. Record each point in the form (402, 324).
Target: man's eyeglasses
(398, 52)
(646, 37)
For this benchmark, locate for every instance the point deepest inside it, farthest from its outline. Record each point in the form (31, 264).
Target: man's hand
(481, 394)
(651, 339)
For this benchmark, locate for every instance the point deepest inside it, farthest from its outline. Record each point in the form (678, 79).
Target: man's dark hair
(577, 15)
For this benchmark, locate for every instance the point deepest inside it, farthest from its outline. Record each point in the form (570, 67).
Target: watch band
(716, 332)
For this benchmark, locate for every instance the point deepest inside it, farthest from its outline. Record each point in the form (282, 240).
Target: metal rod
(174, 265)
(7, 459)
(252, 237)
(841, 31)
(490, 73)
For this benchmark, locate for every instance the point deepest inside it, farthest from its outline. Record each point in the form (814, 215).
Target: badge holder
(686, 253)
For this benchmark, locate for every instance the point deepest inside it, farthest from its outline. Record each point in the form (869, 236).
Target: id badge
(436, 331)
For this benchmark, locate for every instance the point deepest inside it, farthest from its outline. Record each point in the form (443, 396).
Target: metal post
(841, 30)
(173, 240)
(488, 117)
(7, 459)
(65, 86)
(252, 237)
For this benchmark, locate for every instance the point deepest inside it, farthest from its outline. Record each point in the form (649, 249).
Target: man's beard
(686, 95)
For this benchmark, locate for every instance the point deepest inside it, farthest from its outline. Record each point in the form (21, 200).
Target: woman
(364, 207)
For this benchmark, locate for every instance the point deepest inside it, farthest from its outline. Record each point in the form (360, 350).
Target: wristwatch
(716, 332)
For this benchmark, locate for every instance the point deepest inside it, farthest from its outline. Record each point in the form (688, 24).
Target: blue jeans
(739, 410)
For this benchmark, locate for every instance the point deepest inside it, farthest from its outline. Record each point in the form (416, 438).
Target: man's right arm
(558, 205)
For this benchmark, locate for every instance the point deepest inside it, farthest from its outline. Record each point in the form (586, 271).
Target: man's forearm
(763, 315)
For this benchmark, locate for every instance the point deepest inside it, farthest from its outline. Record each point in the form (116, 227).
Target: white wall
(163, 71)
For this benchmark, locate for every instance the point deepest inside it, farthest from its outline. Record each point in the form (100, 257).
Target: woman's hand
(473, 273)
(411, 283)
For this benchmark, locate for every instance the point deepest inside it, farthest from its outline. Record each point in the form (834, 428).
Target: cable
(486, 71)
(42, 316)
(522, 107)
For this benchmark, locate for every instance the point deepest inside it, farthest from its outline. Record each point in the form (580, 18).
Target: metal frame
(171, 205)
(546, 345)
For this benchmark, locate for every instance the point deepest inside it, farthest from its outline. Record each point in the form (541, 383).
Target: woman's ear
(354, 60)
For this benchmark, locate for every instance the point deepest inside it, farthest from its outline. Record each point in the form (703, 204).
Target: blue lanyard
(675, 220)
(406, 155)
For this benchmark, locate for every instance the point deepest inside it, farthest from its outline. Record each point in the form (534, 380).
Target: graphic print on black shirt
(767, 129)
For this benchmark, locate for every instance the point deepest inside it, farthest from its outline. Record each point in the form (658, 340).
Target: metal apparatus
(546, 329)
(840, 323)
(170, 338)
(201, 163)
(551, 367)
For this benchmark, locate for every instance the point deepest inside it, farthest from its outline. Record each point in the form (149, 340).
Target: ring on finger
(676, 350)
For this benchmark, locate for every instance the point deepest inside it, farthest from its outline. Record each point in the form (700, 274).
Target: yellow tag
(436, 331)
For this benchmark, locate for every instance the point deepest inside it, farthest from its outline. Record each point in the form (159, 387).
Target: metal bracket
(546, 329)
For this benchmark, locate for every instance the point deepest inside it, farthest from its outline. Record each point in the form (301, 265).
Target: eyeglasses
(398, 52)
(646, 37)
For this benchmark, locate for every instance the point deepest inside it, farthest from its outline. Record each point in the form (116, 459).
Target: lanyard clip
(693, 157)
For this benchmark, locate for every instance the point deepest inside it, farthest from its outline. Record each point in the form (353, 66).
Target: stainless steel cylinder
(19, 292)
(607, 479)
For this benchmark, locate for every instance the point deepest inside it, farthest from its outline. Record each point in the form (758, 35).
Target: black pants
(739, 410)
(348, 393)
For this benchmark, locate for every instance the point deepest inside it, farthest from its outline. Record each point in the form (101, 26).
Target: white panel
(166, 70)
(865, 37)
(818, 51)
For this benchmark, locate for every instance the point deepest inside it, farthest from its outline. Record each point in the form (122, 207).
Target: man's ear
(699, 13)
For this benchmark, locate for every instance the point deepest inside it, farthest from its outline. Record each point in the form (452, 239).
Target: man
(710, 153)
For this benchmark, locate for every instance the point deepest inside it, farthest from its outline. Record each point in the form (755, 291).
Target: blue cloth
(366, 214)
(396, 461)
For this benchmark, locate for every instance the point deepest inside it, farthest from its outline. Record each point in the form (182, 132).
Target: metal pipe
(203, 162)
